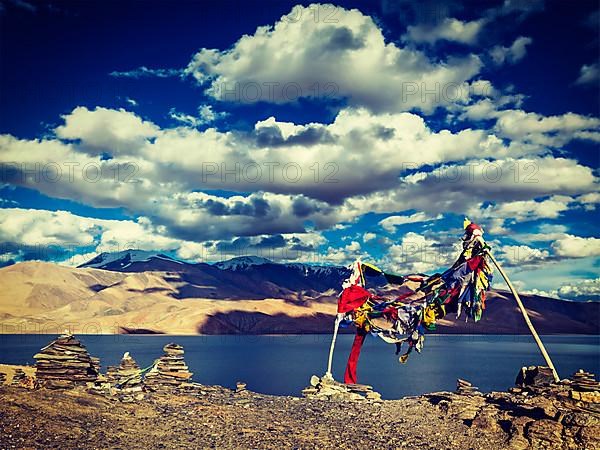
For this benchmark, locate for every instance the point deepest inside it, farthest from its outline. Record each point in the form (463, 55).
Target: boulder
(534, 376)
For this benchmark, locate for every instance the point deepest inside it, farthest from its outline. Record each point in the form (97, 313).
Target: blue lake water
(282, 365)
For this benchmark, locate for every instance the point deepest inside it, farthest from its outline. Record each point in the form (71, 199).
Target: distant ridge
(146, 292)
(242, 262)
(244, 277)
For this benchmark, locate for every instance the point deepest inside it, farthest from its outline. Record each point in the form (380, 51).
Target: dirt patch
(223, 419)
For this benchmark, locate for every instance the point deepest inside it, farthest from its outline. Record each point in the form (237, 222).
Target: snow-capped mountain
(121, 261)
(242, 262)
(313, 269)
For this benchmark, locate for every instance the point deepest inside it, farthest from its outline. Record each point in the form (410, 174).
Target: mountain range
(136, 291)
(245, 277)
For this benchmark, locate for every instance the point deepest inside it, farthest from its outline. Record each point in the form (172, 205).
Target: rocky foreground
(216, 417)
(66, 402)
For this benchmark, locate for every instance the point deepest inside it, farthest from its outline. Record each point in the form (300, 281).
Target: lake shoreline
(283, 364)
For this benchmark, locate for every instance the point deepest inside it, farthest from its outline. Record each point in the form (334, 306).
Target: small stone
(374, 396)
(464, 387)
(338, 396)
(327, 380)
(327, 391)
(309, 391)
(589, 397)
(518, 443)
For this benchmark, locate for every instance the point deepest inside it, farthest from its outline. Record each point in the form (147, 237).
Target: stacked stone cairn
(584, 387)
(2, 378)
(126, 380)
(65, 363)
(19, 378)
(584, 381)
(95, 363)
(463, 387)
(170, 373)
(326, 388)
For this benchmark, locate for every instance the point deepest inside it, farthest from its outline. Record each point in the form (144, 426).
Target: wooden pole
(526, 317)
(338, 319)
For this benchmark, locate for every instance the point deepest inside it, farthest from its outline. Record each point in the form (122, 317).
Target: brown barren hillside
(38, 297)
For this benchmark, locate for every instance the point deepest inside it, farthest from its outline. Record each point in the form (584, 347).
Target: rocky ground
(221, 418)
(65, 402)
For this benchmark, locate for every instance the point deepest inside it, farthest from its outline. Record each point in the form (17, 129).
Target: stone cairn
(19, 378)
(584, 381)
(584, 387)
(326, 388)
(2, 378)
(240, 387)
(463, 387)
(126, 379)
(65, 363)
(95, 363)
(170, 373)
(581, 386)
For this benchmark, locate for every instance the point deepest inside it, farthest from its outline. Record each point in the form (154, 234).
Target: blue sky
(304, 132)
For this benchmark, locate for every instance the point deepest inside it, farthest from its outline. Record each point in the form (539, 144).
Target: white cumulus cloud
(576, 246)
(449, 29)
(346, 57)
(513, 54)
(390, 223)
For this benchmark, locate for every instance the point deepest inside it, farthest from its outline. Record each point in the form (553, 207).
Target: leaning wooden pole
(336, 326)
(526, 317)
